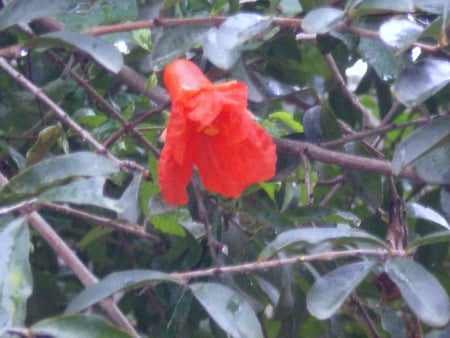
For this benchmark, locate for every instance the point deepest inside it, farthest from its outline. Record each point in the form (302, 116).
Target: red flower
(210, 128)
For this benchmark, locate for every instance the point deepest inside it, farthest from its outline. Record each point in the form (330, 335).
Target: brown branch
(263, 265)
(341, 159)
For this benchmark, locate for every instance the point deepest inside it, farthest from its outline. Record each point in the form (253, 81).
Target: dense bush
(350, 238)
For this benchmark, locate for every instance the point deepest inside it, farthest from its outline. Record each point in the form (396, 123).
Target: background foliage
(350, 239)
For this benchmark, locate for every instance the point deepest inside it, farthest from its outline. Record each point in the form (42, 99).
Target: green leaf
(300, 237)
(83, 191)
(17, 11)
(422, 141)
(330, 291)
(46, 139)
(371, 7)
(288, 120)
(422, 80)
(100, 13)
(168, 223)
(99, 49)
(422, 292)
(435, 237)
(143, 37)
(431, 6)
(290, 7)
(416, 210)
(322, 20)
(15, 271)
(223, 45)
(228, 309)
(174, 43)
(323, 215)
(117, 281)
(59, 168)
(386, 64)
(76, 326)
(400, 33)
(130, 199)
(368, 186)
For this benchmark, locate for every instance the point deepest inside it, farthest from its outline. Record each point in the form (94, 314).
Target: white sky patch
(122, 46)
(415, 53)
(358, 69)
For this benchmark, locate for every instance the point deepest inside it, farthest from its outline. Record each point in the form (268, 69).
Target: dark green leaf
(175, 42)
(416, 210)
(391, 321)
(301, 237)
(421, 291)
(17, 11)
(400, 33)
(386, 64)
(77, 326)
(420, 142)
(323, 215)
(330, 291)
(86, 191)
(99, 49)
(368, 186)
(420, 81)
(435, 237)
(322, 20)
(368, 7)
(117, 281)
(60, 168)
(228, 309)
(434, 166)
(15, 271)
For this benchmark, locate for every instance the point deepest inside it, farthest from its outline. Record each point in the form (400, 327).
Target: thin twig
(203, 216)
(365, 115)
(269, 264)
(133, 229)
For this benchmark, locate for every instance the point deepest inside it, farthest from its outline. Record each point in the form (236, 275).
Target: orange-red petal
(182, 76)
(173, 177)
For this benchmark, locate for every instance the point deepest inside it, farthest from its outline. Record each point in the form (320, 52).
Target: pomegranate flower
(210, 128)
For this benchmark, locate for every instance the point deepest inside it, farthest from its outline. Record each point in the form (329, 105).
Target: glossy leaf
(223, 45)
(99, 49)
(117, 281)
(386, 64)
(416, 210)
(331, 290)
(83, 191)
(15, 271)
(420, 81)
(421, 290)
(298, 238)
(421, 142)
(324, 215)
(434, 166)
(59, 168)
(322, 20)
(76, 326)
(400, 33)
(228, 309)
(175, 43)
(24, 11)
